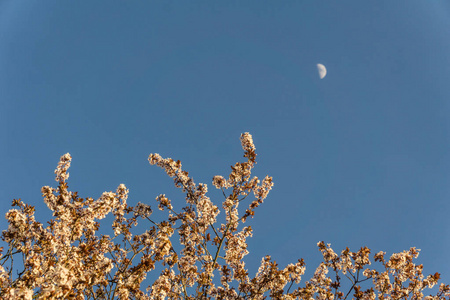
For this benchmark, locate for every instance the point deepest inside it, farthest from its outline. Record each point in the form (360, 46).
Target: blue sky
(359, 158)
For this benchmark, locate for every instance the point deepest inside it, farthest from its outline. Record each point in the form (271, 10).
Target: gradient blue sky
(360, 158)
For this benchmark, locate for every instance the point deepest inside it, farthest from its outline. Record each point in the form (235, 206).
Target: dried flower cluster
(194, 255)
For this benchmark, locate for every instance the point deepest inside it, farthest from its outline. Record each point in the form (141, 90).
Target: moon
(322, 70)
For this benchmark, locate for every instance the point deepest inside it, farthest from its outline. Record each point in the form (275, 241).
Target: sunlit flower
(194, 256)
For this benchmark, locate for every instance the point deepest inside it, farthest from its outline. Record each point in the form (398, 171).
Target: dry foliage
(68, 260)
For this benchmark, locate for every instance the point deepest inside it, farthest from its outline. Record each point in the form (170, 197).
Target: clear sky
(359, 158)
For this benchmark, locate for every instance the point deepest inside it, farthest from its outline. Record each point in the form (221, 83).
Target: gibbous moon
(322, 70)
